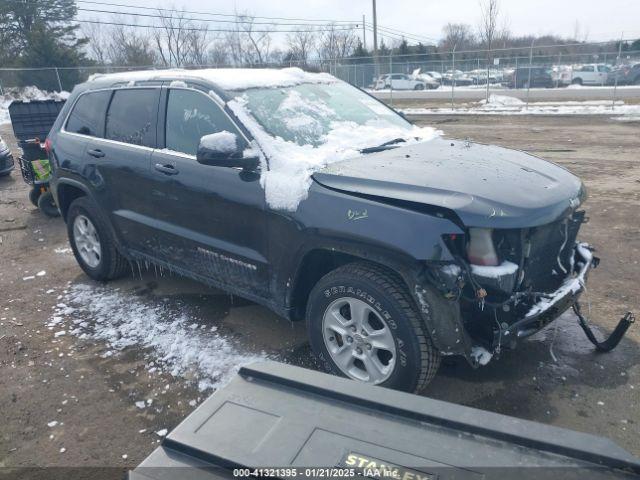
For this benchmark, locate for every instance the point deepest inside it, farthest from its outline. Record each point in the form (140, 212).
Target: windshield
(306, 114)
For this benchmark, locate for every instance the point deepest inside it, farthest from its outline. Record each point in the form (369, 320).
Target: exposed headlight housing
(480, 248)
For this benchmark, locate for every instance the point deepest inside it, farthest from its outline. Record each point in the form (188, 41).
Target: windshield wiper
(382, 146)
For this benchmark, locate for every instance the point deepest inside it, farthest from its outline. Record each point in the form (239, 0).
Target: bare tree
(130, 46)
(335, 43)
(98, 44)
(219, 53)
(172, 39)
(246, 44)
(300, 45)
(258, 43)
(119, 44)
(198, 45)
(489, 13)
(459, 35)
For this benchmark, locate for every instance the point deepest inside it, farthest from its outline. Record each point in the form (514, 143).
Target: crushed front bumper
(554, 304)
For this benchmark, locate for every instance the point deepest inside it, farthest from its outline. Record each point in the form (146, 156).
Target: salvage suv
(310, 197)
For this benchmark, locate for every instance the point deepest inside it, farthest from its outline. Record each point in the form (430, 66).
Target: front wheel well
(66, 195)
(315, 265)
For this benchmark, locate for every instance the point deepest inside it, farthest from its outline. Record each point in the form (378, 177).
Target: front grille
(543, 270)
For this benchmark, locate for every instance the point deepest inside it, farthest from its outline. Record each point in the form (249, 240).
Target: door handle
(97, 153)
(166, 169)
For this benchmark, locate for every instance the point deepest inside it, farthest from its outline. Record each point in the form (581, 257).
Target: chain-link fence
(610, 64)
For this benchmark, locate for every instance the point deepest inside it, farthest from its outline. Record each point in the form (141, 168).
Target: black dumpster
(32, 119)
(276, 420)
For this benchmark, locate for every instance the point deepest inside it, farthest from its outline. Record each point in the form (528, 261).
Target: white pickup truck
(400, 81)
(589, 74)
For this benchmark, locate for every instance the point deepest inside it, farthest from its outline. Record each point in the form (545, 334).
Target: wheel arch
(318, 262)
(66, 192)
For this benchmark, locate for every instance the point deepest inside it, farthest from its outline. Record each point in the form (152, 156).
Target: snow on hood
(288, 166)
(25, 94)
(228, 78)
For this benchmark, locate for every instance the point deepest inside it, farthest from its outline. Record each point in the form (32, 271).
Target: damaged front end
(510, 283)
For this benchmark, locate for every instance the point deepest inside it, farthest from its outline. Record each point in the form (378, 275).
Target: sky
(597, 20)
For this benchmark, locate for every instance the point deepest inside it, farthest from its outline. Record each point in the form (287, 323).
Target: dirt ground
(91, 392)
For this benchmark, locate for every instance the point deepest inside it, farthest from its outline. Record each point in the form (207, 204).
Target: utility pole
(375, 30)
(375, 39)
(364, 35)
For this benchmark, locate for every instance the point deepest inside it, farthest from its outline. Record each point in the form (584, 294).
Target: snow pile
(505, 268)
(223, 141)
(290, 165)
(502, 101)
(228, 78)
(25, 94)
(517, 107)
(122, 321)
(481, 355)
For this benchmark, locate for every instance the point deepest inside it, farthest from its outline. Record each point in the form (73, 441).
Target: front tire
(364, 325)
(92, 242)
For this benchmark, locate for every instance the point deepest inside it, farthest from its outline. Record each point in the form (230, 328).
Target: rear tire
(383, 342)
(47, 205)
(92, 242)
(34, 195)
(419, 87)
(576, 81)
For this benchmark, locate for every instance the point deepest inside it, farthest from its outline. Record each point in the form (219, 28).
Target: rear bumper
(554, 304)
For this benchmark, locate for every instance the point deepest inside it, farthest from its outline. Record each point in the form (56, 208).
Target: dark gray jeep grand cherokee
(308, 196)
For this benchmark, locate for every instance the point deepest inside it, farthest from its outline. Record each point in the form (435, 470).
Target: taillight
(47, 146)
(480, 248)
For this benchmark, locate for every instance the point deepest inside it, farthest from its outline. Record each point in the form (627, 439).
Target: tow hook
(615, 337)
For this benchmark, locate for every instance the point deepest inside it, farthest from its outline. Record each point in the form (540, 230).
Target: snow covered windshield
(299, 129)
(307, 114)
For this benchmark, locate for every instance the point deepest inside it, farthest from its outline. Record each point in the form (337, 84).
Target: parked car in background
(400, 81)
(437, 76)
(524, 77)
(6, 159)
(626, 75)
(393, 255)
(430, 82)
(590, 74)
(456, 77)
(479, 76)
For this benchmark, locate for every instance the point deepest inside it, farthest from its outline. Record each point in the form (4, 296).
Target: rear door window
(190, 116)
(87, 116)
(132, 116)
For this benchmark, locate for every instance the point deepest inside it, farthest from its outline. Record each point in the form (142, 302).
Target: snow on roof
(228, 78)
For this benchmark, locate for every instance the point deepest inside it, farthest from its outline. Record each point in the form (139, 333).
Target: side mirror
(221, 149)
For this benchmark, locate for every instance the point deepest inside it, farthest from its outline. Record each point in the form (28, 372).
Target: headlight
(480, 248)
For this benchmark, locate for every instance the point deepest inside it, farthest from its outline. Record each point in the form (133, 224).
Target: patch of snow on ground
(511, 107)
(501, 100)
(121, 320)
(26, 93)
(481, 355)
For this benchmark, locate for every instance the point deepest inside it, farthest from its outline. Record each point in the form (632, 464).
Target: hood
(485, 185)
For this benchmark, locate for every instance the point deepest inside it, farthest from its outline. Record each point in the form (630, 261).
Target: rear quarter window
(132, 116)
(88, 114)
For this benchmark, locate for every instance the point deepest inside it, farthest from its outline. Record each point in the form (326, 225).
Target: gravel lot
(109, 403)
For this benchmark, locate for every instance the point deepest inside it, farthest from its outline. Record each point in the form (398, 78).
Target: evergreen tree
(42, 33)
